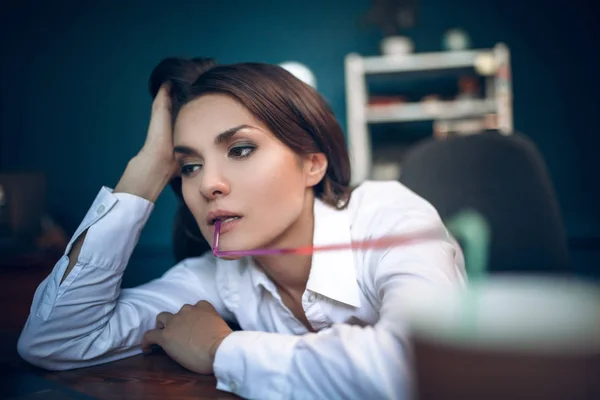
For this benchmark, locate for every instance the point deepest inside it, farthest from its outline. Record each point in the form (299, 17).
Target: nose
(213, 184)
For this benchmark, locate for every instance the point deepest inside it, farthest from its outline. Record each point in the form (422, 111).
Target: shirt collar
(333, 273)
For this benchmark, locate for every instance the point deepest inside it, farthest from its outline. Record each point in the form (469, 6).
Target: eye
(242, 151)
(188, 169)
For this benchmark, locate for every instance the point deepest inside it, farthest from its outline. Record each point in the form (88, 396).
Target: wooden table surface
(147, 377)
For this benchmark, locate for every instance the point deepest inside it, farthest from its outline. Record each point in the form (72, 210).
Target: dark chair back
(504, 179)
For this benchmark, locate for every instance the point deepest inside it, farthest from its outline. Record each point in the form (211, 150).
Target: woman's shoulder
(389, 206)
(377, 195)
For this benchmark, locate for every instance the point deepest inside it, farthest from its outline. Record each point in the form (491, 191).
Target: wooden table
(146, 377)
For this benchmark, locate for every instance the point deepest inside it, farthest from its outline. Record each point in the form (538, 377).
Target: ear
(315, 166)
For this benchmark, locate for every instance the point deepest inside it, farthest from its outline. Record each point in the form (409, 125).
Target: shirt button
(100, 209)
(312, 297)
(233, 386)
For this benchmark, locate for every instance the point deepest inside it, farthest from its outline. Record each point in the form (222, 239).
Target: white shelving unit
(492, 111)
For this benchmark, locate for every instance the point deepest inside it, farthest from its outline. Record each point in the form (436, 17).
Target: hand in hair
(159, 140)
(151, 169)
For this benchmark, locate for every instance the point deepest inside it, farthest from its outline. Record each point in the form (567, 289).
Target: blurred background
(74, 103)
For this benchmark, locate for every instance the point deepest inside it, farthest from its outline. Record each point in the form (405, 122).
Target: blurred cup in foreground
(509, 337)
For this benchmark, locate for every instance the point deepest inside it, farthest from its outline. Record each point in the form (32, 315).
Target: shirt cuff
(114, 223)
(255, 364)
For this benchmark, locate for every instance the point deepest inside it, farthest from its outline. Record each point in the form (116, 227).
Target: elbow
(27, 351)
(55, 350)
(37, 353)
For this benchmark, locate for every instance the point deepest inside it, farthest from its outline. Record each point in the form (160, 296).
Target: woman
(258, 149)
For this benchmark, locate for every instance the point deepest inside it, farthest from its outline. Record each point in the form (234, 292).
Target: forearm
(144, 177)
(342, 362)
(74, 304)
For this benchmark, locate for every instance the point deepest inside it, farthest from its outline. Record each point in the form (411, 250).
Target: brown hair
(296, 114)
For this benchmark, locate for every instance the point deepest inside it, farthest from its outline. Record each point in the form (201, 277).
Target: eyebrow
(221, 138)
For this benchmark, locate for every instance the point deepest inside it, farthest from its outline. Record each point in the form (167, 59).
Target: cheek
(191, 198)
(275, 193)
(186, 191)
(275, 179)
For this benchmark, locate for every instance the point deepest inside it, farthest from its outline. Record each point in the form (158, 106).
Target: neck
(291, 272)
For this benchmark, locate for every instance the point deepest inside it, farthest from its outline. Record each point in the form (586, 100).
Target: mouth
(227, 224)
(228, 220)
(225, 216)
(224, 220)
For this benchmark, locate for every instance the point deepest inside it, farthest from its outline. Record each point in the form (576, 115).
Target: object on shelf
(486, 64)
(384, 101)
(456, 40)
(468, 88)
(397, 46)
(431, 104)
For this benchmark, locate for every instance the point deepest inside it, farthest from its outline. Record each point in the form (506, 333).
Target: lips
(223, 215)
(228, 219)
(227, 225)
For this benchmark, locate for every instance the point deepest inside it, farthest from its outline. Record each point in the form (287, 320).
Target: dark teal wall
(74, 101)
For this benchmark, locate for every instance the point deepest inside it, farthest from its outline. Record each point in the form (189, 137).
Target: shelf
(402, 81)
(421, 62)
(408, 112)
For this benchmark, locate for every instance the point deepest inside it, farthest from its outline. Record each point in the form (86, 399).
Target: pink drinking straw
(382, 242)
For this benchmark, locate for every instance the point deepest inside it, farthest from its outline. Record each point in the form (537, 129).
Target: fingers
(206, 306)
(162, 319)
(151, 338)
(162, 98)
(159, 130)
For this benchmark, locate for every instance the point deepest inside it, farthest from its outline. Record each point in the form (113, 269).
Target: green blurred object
(473, 232)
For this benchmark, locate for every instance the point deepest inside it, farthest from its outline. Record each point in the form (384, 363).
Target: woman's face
(233, 168)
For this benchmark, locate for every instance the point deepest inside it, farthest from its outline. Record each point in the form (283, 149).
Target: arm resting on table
(85, 318)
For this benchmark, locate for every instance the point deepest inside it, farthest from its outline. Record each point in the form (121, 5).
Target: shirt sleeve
(349, 361)
(87, 319)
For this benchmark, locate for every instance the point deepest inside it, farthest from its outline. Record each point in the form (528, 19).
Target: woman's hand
(159, 139)
(190, 337)
(154, 166)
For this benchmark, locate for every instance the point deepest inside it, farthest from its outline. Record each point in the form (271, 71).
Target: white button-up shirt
(353, 299)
